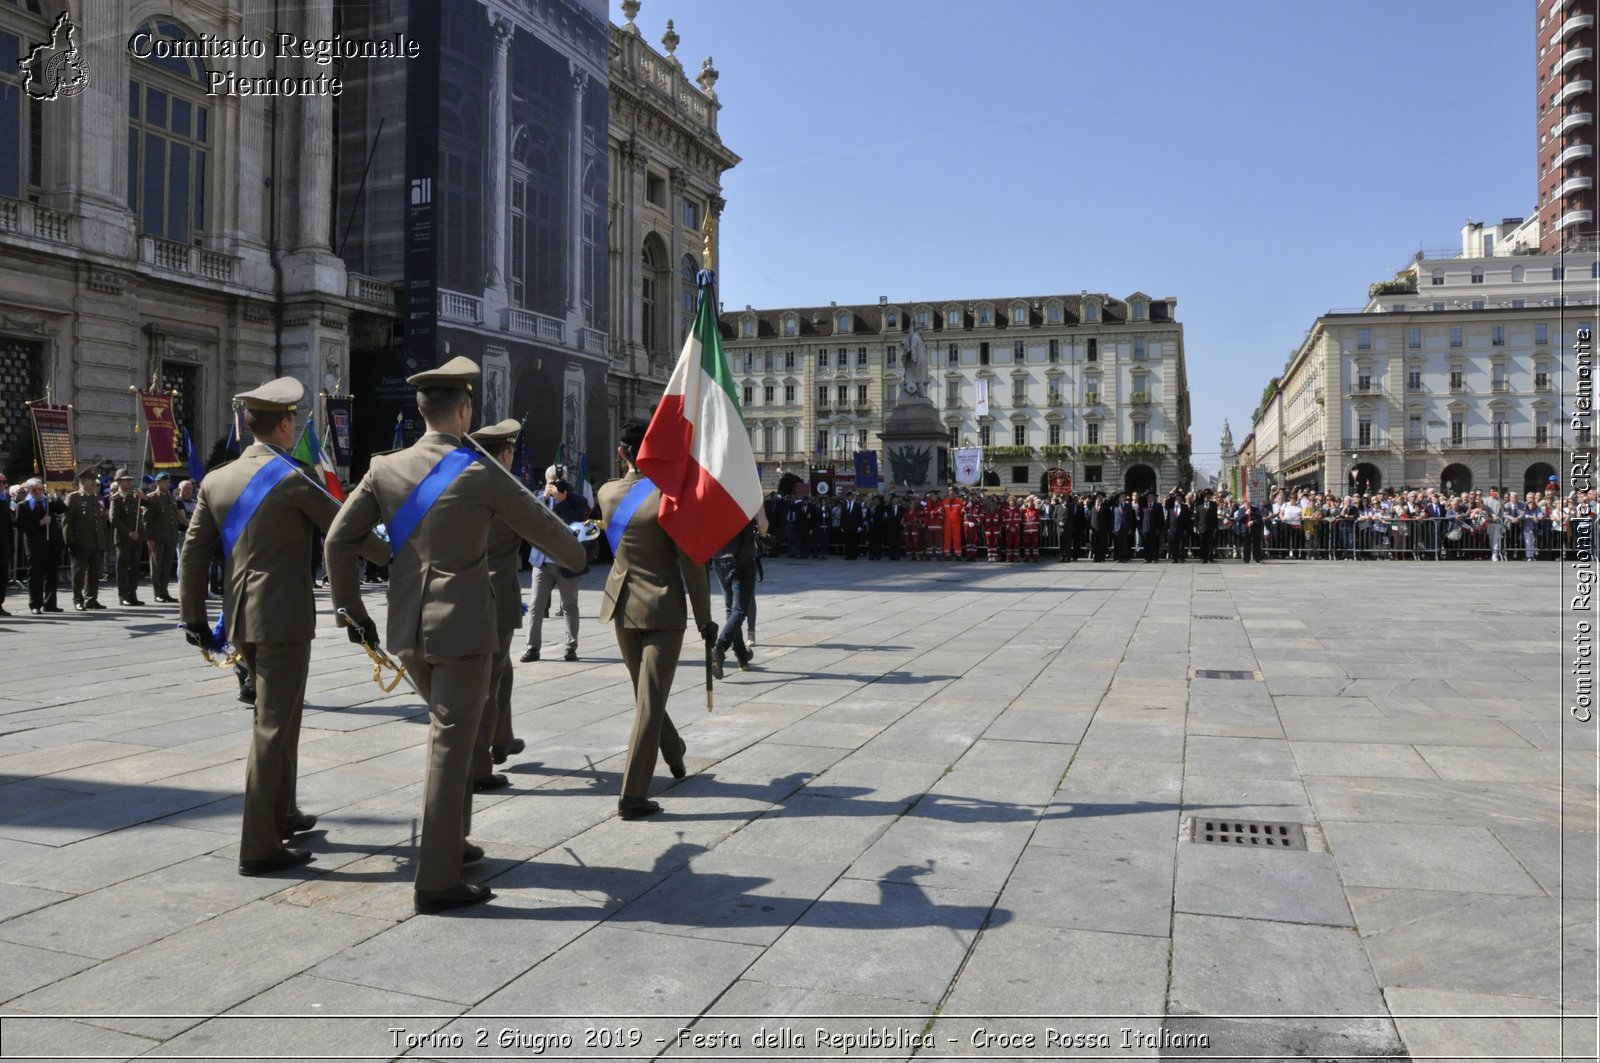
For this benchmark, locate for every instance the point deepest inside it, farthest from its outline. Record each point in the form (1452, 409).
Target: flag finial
(708, 234)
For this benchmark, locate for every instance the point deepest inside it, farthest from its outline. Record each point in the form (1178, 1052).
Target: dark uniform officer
(267, 606)
(39, 523)
(83, 527)
(127, 532)
(644, 595)
(442, 617)
(161, 532)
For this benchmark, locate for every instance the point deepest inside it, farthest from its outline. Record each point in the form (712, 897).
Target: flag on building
(309, 451)
(696, 449)
(982, 407)
(197, 465)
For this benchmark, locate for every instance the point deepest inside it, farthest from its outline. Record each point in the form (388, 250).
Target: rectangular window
(1054, 397)
(861, 439)
(1020, 474)
(788, 361)
(655, 190)
(1092, 433)
(1019, 435)
(861, 394)
(842, 394)
(1413, 380)
(822, 441)
(749, 394)
(861, 357)
(691, 214)
(1458, 430)
(1016, 350)
(1541, 334)
(1138, 348)
(822, 358)
(1541, 428)
(788, 394)
(1140, 432)
(822, 396)
(1558, 273)
(1091, 474)
(766, 395)
(1414, 337)
(1055, 351)
(766, 440)
(1019, 392)
(767, 361)
(891, 355)
(1455, 335)
(1364, 382)
(1414, 430)
(983, 435)
(1055, 435)
(1541, 376)
(1019, 315)
(1364, 433)
(1458, 379)
(788, 439)
(952, 395)
(983, 354)
(1093, 349)
(1364, 339)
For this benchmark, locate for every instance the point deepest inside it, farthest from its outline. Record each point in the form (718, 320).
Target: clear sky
(1261, 162)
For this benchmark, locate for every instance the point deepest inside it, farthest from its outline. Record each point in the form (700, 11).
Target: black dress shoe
(299, 824)
(54, 609)
(471, 854)
(4, 613)
(129, 601)
(676, 766)
(497, 781)
(461, 895)
(34, 610)
(285, 858)
(571, 655)
(637, 807)
(500, 753)
(247, 695)
(77, 606)
(530, 657)
(91, 604)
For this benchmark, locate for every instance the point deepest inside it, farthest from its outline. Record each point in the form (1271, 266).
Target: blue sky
(1262, 162)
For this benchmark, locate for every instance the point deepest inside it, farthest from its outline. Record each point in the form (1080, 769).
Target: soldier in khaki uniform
(495, 740)
(442, 617)
(161, 523)
(83, 527)
(644, 595)
(127, 532)
(270, 615)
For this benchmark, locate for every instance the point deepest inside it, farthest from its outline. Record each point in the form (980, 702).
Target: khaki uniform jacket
(125, 515)
(505, 566)
(266, 590)
(84, 524)
(649, 574)
(161, 516)
(441, 600)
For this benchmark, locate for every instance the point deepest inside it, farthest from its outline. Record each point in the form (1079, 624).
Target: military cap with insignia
(494, 436)
(88, 472)
(282, 395)
(458, 372)
(123, 474)
(159, 477)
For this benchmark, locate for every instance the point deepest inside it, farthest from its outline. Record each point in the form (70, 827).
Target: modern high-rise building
(1565, 48)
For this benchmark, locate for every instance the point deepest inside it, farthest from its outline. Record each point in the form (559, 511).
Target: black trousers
(42, 564)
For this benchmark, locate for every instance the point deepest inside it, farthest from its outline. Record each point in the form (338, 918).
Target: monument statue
(914, 364)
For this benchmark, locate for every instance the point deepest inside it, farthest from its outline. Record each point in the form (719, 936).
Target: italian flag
(310, 452)
(696, 449)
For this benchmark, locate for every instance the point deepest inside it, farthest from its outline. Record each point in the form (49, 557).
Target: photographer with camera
(549, 577)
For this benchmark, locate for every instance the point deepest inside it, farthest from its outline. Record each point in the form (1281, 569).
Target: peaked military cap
(88, 472)
(632, 434)
(458, 372)
(275, 396)
(498, 435)
(158, 477)
(123, 474)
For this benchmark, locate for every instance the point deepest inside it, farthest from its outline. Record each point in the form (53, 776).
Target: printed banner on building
(969, 463)
(52, 434)
(822, 482)
(163, 430)
(867, 469)
(983, 398)
(340, 411)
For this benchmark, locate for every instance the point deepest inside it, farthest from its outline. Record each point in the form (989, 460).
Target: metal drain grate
(1211, 590)
(819, 618)
(1259, 833)
(1213, 616)
(1222, 673)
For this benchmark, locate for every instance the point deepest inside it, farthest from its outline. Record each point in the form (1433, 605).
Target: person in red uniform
(1011, 522)
(972, 527)
(953, 507)
(911, 530)
(992, 523)
(933, 525)
(1030, 529)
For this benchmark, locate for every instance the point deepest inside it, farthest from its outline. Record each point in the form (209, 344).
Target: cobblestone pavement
(949, 813)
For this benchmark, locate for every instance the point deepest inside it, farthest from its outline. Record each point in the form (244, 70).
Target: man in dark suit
(852, 521)
(1101, 524)
(894, 515)
(1124, 522)
(8, 521)
(1209, 519)
(1180, 523)
(39, 522)
(645, 595)
(1151, 522)
(443, 622)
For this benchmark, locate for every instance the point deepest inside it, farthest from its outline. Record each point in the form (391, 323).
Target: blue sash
(617, 523)
(425, 494)
(265, 479)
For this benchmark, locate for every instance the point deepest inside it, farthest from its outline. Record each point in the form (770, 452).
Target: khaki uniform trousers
(652, 660)
(495, 727)
(455, 689)
(128, 568)
(85, 576)
(160, 567)
(269, 788)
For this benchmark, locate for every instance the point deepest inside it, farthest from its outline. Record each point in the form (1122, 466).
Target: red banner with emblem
(52, 433)
(163, 429)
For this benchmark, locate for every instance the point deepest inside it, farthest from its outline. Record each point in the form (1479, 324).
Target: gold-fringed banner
(158, 421)
(52, 433)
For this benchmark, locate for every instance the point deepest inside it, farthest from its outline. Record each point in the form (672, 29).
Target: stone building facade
(1088, 383)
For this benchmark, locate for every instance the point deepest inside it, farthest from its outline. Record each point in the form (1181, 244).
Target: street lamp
(1500, 455)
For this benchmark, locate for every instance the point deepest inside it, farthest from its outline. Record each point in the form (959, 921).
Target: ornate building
(1088, 383)
(667, 162)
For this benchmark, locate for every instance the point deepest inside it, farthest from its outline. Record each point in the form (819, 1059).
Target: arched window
(686, 294)
(168, 140)
(652, 299)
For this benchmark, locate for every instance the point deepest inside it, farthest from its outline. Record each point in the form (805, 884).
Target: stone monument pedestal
(916, 445)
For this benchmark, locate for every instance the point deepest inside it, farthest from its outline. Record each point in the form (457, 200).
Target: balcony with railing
(1575, 24)
(1365, 389)
(539, 326)
(1573, 57)
(458, 306)
(1573, 184)
(195, 262)
(30, 219)
(1573, 121)
(1574, 217)
(1572, 154)
(594, 341)
(364, 289)
(1570, 90)
(1139, 398)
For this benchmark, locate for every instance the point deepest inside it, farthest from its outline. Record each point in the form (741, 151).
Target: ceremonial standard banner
(52, 432)
(867, 469)
(969, 463)
(983, 398)
(163, 430)
(1059, 481)
(339, 419)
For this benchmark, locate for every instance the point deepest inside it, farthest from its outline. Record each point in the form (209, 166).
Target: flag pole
(708, 278)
